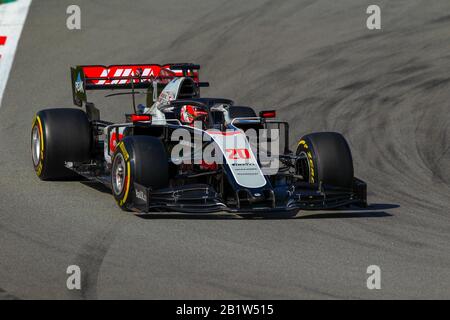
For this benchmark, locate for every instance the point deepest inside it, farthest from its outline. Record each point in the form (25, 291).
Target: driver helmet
(189, 114)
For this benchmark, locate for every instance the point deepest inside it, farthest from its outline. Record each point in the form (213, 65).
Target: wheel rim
(118, 174)
(36, 146)
(305, 167)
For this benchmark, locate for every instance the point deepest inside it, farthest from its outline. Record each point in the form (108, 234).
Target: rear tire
(57, 136)
(138, 159)
(329, 159)
(243, 112)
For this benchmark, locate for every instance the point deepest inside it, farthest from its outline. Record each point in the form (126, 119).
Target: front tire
(328, 159)
(138, 159)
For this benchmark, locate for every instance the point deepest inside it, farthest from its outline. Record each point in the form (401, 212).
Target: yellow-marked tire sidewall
(125, 197)
(37, 122)
(305, 147)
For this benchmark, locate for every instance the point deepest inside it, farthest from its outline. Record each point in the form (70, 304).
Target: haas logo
(125, 72)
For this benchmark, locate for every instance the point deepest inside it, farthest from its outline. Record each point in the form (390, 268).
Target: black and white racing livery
(135, 158)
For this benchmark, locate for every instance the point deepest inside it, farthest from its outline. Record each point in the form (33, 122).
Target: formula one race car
(185, 153)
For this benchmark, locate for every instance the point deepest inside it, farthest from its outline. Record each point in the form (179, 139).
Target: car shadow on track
(346, 215)
(97, 186)
(372, 211)
(376, 210)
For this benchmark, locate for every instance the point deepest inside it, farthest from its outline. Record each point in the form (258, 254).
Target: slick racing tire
(138, 159)
(327, 159)
(59, 136)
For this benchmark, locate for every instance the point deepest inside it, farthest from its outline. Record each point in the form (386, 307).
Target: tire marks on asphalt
(6, 296)
(90, 259)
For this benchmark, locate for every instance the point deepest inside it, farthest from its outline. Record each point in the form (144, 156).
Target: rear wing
(138, 76)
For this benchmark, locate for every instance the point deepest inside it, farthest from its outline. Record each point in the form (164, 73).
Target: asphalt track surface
(387, 91)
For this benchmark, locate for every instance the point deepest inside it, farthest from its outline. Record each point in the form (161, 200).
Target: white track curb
(12, 19)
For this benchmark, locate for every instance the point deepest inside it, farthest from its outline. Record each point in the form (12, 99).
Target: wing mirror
(268, 114)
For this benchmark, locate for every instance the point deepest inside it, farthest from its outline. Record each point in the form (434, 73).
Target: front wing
(202, 198)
